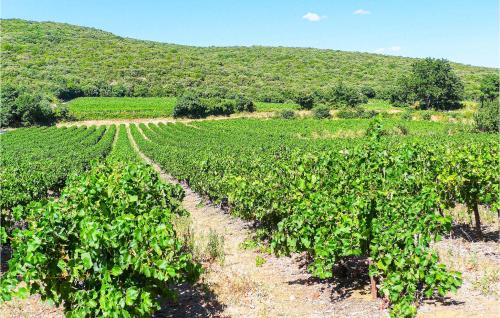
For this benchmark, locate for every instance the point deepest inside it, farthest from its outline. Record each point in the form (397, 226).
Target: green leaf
(116, 271)
(131, 296)
(87, 260)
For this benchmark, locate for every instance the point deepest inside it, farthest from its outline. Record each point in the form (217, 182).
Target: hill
(70, 61)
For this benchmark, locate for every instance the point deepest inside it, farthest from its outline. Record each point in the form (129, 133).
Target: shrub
(62, 112)
(218, 107)
(244, 104)
(356, 112)
(403, 130)
(305, 100)
(106, 248)
(191, 106)
(426, 116)
(25, 109)
(489, 87)
(407, 114)
(287, 114)
(344, 95)
(488, 116)
(432, 83)
(321, 112)
(368, 92)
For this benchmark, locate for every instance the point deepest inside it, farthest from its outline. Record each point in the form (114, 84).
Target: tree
(190, 105)
(368, 92)
(344, 95)
(305, 100)
(22, 108)
(433, 84)
(489, 87)
(488, 116)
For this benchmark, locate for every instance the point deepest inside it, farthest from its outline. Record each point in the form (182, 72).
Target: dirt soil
(162, 120)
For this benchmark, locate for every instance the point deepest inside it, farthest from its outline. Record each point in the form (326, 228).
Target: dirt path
(162, 120)
(278, 288)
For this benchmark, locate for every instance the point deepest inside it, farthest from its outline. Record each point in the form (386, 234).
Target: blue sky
(465, 31)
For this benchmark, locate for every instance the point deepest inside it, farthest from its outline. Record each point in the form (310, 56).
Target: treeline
(71, 61)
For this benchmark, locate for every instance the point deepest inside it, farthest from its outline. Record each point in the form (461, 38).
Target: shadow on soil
(468, 233)
(193, 301)
(443, 301)
(348, 276)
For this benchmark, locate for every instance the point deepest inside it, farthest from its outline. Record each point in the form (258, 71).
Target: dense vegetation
(68, 61)
(377, 197)
(105, 248)
(106, 245)
(121, 107)
(432, 84)
(193, 105)
(35, 161)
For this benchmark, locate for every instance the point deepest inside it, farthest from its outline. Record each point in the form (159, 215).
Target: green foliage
(287, 114)
(36, 162)
(489, 87)
(259, 261)
(321, 112)
(368, 92)
(305, 100)
(356, 112)
(335, 198)
(426, 115)
(122, 150)
(85, 108)
(343, 95)
(107, 247)
(244, 104)
(91, 62)
(432, 83)
(21, 108)
(487, 117)
(191, 106)
(407, 114)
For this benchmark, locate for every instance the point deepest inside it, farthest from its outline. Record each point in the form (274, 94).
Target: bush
(191, 106)
(489, 87)
(356, 112)
(432, 83)
(106, 248)
(219, 107)
(403, 130)
(25, 109)
(287, 114)
(62, 113)
(487, 117)
(426, 116)
(368, 92)
(244, 105)
(321, 112)
(343, 95)
(305, 100)
(407, 114)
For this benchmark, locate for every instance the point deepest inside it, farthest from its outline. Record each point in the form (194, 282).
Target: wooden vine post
(373, 284)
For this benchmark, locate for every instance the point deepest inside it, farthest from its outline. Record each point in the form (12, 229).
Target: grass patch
(271, 107)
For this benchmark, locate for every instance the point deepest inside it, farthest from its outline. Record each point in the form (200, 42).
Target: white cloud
(361, 12)
(388, 50)
(313, 17)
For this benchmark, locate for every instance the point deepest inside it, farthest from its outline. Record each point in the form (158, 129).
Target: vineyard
(92, 229)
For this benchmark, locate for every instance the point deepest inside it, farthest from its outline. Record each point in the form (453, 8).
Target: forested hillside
(67, 61)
